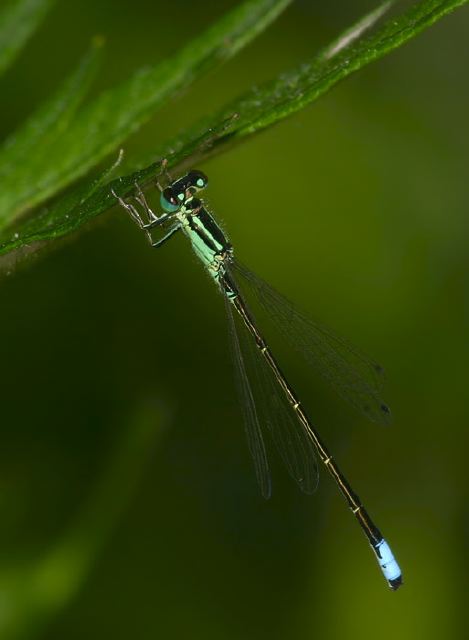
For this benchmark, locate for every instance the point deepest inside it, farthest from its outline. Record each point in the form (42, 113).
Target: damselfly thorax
(206, 237)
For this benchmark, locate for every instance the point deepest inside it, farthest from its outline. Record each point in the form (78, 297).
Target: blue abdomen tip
(388, 564)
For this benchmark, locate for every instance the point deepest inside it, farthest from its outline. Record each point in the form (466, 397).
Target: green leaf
(296, 89)
(22, 153)
(355, 31)
(259, 108)
(18, 21)
(102, 126)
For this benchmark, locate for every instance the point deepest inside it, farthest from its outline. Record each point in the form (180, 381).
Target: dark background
(127, 498)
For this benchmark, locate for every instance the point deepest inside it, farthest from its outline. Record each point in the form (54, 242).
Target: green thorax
(206, 237)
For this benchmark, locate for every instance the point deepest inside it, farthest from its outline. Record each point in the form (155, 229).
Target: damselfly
(354, 376)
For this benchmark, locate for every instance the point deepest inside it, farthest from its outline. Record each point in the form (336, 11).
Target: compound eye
(169, 202)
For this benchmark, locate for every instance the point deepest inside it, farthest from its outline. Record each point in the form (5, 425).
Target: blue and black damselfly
(353, 375)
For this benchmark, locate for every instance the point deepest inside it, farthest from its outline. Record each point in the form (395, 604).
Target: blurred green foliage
(18, 21)
(366, 199)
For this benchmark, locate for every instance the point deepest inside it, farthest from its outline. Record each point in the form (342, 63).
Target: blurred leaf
(101, 126)
(22, 153)
(33, 595)
(18, 21)
(258, 109)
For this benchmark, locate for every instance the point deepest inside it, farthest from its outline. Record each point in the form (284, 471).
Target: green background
(127, 498)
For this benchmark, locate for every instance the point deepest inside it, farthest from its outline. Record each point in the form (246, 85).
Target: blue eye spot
(200, 182)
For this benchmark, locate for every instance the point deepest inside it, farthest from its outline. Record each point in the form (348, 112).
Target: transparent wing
(251, 420)
(292, 441)
(355, 377)
(272, 410)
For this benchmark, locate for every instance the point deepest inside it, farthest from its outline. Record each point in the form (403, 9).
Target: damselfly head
(181, 191)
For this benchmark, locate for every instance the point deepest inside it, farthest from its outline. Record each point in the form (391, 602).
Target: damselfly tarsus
(353, 374)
